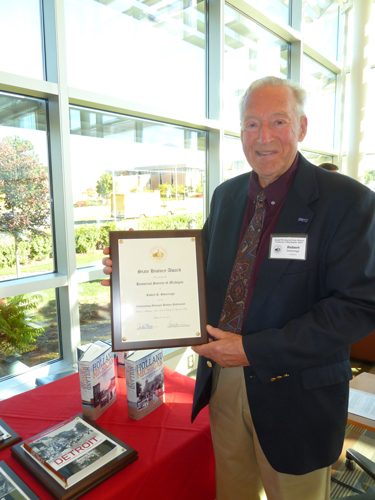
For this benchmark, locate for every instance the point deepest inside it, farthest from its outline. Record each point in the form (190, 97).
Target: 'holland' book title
(144, 382)
(97, 378)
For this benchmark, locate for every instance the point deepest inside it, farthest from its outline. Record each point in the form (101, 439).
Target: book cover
(92, 477)
(12, 487)
(144, 382)
(71, 450)
(97, 378)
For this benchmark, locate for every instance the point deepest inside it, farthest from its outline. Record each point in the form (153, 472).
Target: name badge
(288, 246)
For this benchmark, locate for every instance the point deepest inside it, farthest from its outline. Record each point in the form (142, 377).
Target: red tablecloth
(175, 457)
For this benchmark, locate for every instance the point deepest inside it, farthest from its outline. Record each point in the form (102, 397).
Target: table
(364, 382)
(175, 461)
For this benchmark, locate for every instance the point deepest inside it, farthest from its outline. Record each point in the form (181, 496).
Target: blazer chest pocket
(326, 375)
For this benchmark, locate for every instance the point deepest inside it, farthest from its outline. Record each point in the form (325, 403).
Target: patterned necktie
(235, 299)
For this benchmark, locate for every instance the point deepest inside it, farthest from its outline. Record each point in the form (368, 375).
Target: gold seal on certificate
(158, 289)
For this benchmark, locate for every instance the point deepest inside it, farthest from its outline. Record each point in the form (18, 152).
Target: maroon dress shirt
(276, 193)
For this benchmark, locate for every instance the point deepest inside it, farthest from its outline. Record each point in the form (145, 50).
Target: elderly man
(290, 280)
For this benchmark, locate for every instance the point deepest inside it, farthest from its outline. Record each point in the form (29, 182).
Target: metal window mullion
(296, 46)
(64, 249)
(215, 82)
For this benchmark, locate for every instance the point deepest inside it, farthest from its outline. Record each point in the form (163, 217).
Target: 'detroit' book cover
(72, 450)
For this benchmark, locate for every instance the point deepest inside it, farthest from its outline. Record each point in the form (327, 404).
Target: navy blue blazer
(303, 316)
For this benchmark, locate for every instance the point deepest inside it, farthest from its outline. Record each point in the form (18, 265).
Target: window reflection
(317, 158)
(94, 312)
(320, 84)
(25, 221)
(251, 52)
(320, 26)
(151, 53)
(279, 9)
(143, 175)
(20, 38)
(28, 332)
(234, 162)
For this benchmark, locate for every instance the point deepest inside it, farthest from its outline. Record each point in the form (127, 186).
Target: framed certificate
(158, 289)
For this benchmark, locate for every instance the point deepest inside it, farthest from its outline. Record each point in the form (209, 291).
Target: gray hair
(299, 93)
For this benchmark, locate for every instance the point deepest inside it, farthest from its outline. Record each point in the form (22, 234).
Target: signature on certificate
(177, 325)
(144, 326)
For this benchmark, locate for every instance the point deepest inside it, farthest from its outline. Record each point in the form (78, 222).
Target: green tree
(25, 208)
(369, 176)
(104, 186)
(199, 188)
(17, 323)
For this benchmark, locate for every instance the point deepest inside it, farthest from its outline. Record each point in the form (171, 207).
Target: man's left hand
(227, 350)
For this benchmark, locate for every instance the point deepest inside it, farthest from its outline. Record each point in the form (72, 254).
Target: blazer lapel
(295, 218)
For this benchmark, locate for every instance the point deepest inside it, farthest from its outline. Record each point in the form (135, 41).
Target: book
(71, 450)
(12, 487)
(144, 382)
(97, 378)
(81, 476)
(7, 436)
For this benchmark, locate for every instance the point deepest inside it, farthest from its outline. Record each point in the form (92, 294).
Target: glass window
(251, 52)
(151, 53)
(317, 158)
(369, 171)
(320, 84)
(130, 173)
(94, 312)
(278, 8)
(320, 26)
(25, 214)
(234, 161)
(29, 332)
(20, 38)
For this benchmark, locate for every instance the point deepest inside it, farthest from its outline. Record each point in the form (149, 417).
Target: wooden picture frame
(158, 292)
(18, 481)
(13, 439)
(84, 485)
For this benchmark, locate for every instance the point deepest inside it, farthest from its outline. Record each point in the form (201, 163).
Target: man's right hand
(107, 263)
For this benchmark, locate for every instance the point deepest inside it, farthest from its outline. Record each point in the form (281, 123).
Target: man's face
(271, 131)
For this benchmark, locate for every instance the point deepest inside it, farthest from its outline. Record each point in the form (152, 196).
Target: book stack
(144, 382)
(97, 378)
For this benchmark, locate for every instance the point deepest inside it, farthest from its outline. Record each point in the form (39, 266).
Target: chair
(368, 466)
(365, 382)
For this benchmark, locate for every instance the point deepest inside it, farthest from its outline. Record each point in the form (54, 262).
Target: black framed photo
(12, 487)
(158, 289)
(7, 435)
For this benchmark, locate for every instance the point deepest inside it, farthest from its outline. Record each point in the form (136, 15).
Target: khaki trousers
(242, 471)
